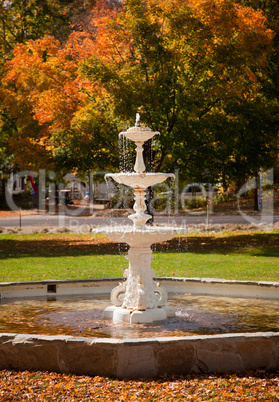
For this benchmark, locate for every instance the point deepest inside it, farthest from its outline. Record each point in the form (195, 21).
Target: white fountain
(139, 299)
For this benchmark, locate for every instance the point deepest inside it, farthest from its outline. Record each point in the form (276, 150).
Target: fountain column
(140, 217)
(141, 290)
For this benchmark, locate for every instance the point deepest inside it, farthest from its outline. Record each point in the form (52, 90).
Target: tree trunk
(149, 206)
(3, 193)
(256, 193)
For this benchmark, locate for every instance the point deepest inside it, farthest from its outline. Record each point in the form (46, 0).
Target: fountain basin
(147, 356)
(193, 315)
(140, 358)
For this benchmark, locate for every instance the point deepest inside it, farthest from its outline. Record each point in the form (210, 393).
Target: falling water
(126, 156)
(170, 200)
(126, 148)
(169, 204)
(121, 153)
(150, 156)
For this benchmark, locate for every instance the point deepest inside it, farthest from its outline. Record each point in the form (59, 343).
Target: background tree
(270, 81)
(59, 121)
(20, 21)
(185, 66)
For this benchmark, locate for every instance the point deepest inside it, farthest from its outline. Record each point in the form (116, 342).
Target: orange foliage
(44, 89)
(47, 73)
(230, 21)
(106, 35)
(45, 85)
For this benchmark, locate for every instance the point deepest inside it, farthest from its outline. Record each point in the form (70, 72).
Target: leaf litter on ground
(254, 386)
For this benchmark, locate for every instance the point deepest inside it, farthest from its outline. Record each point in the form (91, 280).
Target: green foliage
(21, 20)
(193, 74)
(270, 81)
(196, 203)
(90, 143)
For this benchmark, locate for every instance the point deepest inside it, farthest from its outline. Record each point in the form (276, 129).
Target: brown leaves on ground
(11, 214)
(42, 386)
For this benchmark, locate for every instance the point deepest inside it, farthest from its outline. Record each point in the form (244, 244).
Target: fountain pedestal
(119, 314)
(139, 299)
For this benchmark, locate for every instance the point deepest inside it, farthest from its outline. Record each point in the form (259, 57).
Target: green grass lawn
(230, 255)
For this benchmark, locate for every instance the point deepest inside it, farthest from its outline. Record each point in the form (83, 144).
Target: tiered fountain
(139, 299)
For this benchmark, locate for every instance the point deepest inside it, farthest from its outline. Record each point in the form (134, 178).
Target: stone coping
(59, 281)
(205, 286)
(175, 279)
(140, 358)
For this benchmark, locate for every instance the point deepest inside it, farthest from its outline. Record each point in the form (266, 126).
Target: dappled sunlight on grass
(229, 255)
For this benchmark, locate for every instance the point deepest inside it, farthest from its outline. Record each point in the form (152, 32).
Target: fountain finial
(137, 120)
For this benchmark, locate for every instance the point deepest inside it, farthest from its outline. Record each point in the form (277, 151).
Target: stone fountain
(139, 299)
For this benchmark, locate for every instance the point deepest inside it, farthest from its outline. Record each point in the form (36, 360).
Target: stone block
(23, 352)
(256, 353)
(38, 355)
(175, 358)
(9, 356)
(90, 358)
(209, 361)
(135, 361)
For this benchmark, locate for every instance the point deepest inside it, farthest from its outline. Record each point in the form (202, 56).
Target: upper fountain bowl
(140, 180)
(139, 134)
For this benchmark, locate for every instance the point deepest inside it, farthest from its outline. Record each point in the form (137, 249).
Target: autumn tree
(20, 21)
(59, 121)
(188, 67)
(47, 119)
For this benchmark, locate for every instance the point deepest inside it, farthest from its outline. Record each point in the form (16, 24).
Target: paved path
(45, 220)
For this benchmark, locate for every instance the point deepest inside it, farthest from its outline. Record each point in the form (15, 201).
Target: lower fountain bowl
(139, 237)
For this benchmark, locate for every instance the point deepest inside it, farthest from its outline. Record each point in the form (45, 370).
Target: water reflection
(80, 316)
